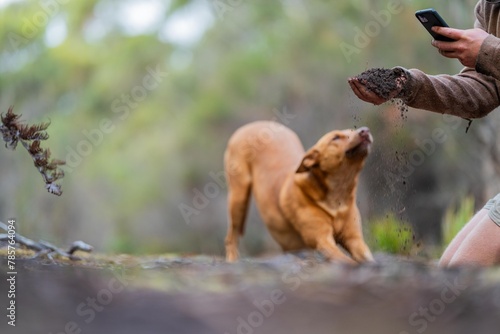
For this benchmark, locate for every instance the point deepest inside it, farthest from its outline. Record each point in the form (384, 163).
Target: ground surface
(280, 294)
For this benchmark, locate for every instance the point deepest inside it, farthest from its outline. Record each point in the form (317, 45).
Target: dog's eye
(337, 137)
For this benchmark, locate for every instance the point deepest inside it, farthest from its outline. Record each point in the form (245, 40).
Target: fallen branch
(14, 131)
(44, 248)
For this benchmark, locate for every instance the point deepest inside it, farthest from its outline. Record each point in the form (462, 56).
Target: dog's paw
(232, 256)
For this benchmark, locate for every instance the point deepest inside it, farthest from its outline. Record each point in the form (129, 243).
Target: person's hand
(466, 44)
(364, 93)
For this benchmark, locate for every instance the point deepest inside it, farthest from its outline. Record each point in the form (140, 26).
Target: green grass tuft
(455, 219)
(390, 235)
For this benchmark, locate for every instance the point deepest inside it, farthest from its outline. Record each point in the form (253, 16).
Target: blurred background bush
(143, 95)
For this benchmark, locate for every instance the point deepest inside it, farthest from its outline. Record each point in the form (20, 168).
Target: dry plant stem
(44, 248)
(13, 132)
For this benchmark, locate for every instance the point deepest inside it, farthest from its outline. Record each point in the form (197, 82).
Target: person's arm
(470, 94)
(467, 95)
(474, 48)
(488, 60)
(476, 90)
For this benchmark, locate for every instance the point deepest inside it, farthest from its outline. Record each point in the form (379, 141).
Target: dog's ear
(310, 160)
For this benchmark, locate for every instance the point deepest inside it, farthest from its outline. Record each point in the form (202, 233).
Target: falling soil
(384, 82)
(402, 107)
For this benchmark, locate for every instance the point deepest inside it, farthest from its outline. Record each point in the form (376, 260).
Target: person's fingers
(448, 32)
(444, 46)
(357, 90)
(446, 49)
(364, 93)
(448, 54)
(369, 95)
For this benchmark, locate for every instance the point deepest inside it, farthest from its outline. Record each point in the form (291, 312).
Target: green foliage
(456, 217)
(388, 234)
(123, 244)
(259, 57)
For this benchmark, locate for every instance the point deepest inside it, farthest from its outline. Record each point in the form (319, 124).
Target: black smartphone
(431, 18)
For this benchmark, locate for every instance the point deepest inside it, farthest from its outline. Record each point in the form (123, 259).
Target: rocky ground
(279, 294)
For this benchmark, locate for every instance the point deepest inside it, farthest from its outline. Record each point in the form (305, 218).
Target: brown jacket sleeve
(487, 18)
(467, 95)
(472, 93)
(488, 61)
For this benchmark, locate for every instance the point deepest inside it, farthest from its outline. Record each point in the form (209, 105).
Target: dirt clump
(385, 82)
(382, 81)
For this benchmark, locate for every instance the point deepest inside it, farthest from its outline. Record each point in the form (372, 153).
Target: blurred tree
(143, 96)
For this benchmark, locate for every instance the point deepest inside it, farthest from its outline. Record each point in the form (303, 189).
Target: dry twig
(44, 248)
(14, 131)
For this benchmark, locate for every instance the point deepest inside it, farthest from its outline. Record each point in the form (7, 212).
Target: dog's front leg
(319, 236)
(359, 250)
(231, 242)
(330, 249)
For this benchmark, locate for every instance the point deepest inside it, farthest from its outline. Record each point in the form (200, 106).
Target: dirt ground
(279, 294)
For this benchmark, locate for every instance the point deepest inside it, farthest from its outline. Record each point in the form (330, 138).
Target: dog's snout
(364, 132)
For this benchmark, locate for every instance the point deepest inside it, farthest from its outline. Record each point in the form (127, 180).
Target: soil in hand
(384, 82)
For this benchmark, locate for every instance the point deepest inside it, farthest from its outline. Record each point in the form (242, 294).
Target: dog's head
(336, 149)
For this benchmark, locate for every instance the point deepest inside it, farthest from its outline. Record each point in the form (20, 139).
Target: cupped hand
(360, 89)
(363, 93)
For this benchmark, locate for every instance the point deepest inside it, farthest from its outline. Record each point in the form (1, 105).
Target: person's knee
(458, 239)
(480, 248)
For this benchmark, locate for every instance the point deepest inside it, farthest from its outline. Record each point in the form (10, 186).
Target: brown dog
(307, 200)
